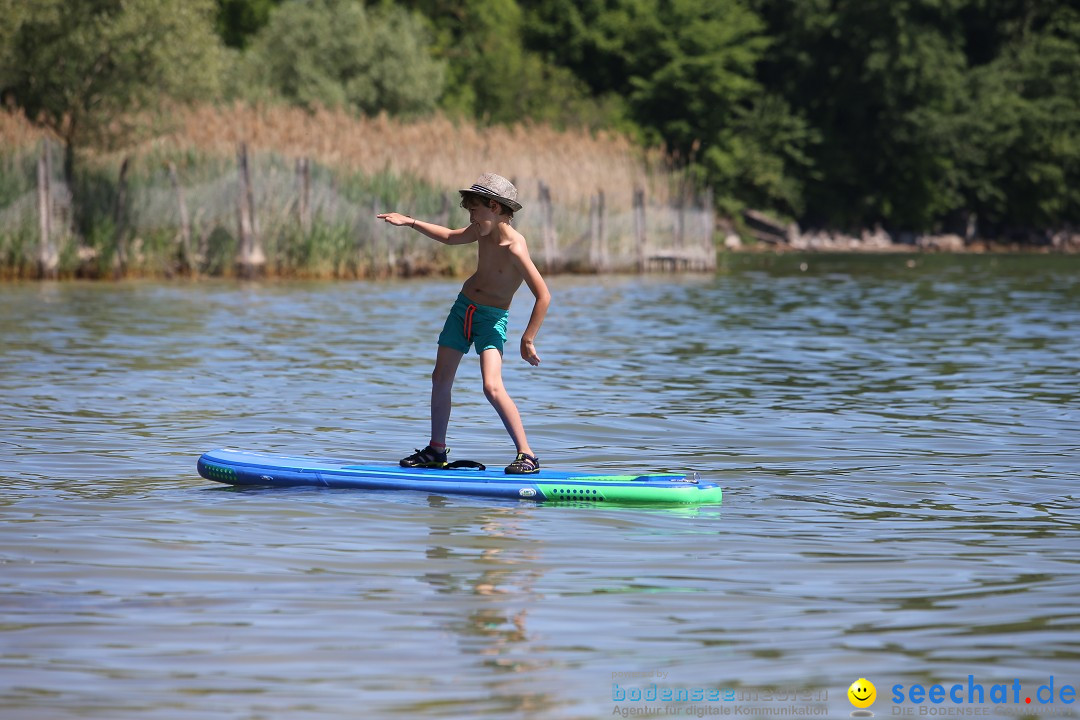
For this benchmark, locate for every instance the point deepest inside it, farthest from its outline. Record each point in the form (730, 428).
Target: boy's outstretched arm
(540, 291)
(444, 235)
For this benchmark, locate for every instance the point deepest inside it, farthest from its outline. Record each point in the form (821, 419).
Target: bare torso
(496, 278)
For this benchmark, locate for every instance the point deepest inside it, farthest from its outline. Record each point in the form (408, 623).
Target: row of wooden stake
(251, 258)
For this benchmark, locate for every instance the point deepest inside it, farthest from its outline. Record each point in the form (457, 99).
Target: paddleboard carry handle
(466, 465)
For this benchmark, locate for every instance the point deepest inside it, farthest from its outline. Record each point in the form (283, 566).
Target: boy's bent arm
(539, 288)
(445, 235)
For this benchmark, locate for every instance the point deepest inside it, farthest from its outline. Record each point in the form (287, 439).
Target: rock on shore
(772, 233)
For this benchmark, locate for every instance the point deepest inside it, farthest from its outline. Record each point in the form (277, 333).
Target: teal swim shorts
(470, 324)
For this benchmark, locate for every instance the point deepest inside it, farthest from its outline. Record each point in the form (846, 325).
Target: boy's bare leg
(442, 382)
(491, 371)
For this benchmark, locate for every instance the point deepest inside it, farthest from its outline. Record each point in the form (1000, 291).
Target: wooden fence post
(303, 181)
(386, 239)
(120, 220)
(601, 233)
(639, 228)
(243, 256)
(597, 249)
(710, 229)
(48, 257)
(547, 227)
(185, 223)
(250, 258)
(680, 221)
(593, 234)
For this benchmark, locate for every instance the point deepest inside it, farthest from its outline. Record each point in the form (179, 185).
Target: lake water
(897, 438)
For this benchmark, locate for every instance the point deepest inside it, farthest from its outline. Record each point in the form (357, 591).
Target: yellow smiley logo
(862, 693)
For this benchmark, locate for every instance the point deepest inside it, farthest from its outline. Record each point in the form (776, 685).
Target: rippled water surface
(897, 438)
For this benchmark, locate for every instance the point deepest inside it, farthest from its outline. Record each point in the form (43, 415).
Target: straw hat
(495, 187)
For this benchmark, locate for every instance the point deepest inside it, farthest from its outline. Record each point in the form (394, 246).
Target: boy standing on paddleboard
(478, 318)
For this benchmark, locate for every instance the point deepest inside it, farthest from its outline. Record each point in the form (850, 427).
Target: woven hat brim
(484, 192)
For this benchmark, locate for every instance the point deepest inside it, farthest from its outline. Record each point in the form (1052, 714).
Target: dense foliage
(336, 53)
(916, 114)
(933, 111)
(82, 67)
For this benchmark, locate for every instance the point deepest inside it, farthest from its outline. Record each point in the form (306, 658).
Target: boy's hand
(528, 352)
(396, 219)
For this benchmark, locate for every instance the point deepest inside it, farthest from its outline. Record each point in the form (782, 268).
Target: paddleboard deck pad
(239, 467)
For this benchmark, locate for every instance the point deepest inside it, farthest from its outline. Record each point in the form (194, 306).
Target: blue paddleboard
(238, 467)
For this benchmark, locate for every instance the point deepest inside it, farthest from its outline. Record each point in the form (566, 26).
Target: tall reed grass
(360, 166)
(438, 150)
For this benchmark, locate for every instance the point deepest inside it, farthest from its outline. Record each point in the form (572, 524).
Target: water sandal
(426, 458)
(524, 464)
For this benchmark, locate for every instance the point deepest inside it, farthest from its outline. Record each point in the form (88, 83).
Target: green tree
(605, 43)
(762, 158)
(238, 20)
(494, 77)
(884, 84)
(931, 110)
(337, 53)
(84, 68)
(687, 70)
(13, 14)
(1023, 168)
(697, 68)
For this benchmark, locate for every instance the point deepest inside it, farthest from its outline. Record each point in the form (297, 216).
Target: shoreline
(756, 231)
(979, 247)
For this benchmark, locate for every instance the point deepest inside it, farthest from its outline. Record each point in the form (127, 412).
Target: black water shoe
(429, 457)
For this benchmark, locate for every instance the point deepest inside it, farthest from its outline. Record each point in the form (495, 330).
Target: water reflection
(897, 446)
(486, 568)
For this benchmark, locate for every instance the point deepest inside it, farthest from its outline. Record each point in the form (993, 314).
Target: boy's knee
(441, 378)
(493, 389)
